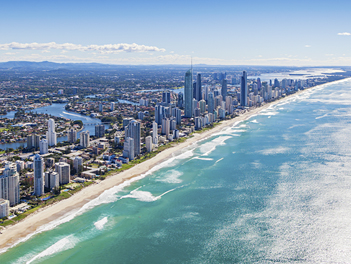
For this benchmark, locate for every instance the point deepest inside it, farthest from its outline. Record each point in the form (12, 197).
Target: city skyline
(226, 33)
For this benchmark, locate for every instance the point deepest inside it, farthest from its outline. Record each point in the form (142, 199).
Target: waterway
(59, 111)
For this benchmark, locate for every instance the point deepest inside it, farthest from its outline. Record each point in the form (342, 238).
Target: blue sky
(253, 32)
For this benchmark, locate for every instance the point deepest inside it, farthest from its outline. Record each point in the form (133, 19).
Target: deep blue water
(275, 188)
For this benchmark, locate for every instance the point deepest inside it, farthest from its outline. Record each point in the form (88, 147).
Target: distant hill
(47, 65)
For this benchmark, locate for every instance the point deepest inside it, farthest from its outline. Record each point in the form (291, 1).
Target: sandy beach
(29, 225)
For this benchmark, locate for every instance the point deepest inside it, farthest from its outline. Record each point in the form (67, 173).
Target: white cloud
(307, 46)
(344, 34)
(108, 48)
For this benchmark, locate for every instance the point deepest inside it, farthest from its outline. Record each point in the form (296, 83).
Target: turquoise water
(274, 188)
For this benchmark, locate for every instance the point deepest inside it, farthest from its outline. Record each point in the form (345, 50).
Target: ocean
(273, 188)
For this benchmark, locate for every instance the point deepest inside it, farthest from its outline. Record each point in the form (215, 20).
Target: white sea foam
(272, 151)
(101, 223)
(200, 158)
(219, 160)
(145, 196)
(271, 113)
(171, 176)
(210, 146)
(319, 117)
(65, 243)
(254, 121)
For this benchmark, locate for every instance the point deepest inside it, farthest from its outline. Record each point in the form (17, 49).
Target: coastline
(13, 234)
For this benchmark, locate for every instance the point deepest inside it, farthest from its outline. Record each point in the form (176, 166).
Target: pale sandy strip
(30, 224)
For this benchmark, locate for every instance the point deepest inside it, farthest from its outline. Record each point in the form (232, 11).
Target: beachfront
(33, 222)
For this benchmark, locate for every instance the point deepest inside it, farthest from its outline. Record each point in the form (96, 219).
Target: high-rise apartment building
(52, 179)
(133, 131)
(188, 92)
(51, 134)
(78, 164)
(43, 146)
(166, 97)
(224, 88)
(210, 103)
(243, 90)
(72, 135)
(100, 130)
(9, 184)
(63, 169)
(38, 175)
(198, 89)
(154, 133)
(128, 148)
(84, 139)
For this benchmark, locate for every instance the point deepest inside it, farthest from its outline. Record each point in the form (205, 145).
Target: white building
(19, 165)
(9, 184)
(4, 208)
(52, 179)
(51, 134)
(128, 148)
(148, 143)
(63, 169)
(43, 146)
(84, 139)
(112, 106)
(154, 133)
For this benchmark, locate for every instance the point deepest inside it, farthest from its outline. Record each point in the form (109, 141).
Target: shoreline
(22, 230)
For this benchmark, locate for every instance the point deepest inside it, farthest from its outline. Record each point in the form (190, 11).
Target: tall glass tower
(198, 90)
(224, 89)
(188, 92)
(38, 175)
(243, 90)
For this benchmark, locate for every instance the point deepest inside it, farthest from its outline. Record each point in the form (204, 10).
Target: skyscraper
(128, 148)
(112, 106)
(78, 164)
(198, 90)
(72, 135)
(210, 103)
(180, 100)
(148, 143)
(154, 133)
(165, 126)
(100, 130)
(43, 146)
(9, 184)
(166, 97)
(259, 84)
(133, 131)
(52, 179)
(188, 92)
(84, 139)
(51, 134)
(224, 88)
(38, 175)
(243, 90)
(63, 169)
